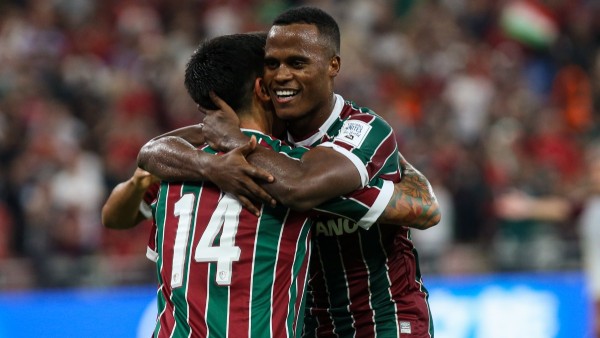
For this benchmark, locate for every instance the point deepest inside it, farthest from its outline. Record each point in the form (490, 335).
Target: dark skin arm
(239, 178)
(174, 159)
(122, 208)
(321, 174)
(413, 204)
(192, 134)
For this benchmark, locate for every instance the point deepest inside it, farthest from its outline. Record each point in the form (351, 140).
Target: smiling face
(299, 70)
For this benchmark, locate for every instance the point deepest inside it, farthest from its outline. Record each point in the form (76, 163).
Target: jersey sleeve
(369, 142)
(363, 206)
(151, 250)
(146, 206)
(149, 197)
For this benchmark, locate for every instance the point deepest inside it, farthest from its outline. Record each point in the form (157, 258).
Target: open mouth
(285, 95)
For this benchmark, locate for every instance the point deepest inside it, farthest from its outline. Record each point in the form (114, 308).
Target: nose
(283, 74)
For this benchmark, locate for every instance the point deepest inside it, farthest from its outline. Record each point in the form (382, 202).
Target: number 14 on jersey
(225, 217)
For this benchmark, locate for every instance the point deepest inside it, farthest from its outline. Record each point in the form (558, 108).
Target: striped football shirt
(223, 272)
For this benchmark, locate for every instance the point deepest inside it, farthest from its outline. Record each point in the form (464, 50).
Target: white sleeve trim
(385, 195)
(360, 166)
(145, 210)
(151, 254)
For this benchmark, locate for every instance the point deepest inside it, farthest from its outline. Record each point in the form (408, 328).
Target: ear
(334, 66)
(260, 90)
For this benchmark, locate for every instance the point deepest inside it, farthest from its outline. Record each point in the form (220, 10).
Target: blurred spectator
(581, 206)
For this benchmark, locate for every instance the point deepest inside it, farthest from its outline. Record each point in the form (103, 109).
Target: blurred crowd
(486, 97)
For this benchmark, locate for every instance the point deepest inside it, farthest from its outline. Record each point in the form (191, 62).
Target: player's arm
(410, 202)
(191, 134)
(413, 203)
(174, 157)
(321, 174)
(122, 208)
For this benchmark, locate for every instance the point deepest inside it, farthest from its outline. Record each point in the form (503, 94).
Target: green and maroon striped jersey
(363, 282)
(223, 272)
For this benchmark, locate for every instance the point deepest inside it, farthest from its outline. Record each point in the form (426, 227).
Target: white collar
(254, 131)
(335, 113)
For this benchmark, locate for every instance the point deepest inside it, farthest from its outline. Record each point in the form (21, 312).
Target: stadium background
(485, 97)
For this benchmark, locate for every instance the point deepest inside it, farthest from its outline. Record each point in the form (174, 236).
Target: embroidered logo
(405, 327)
(354, 133)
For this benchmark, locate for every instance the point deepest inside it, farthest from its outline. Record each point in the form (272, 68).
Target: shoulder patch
(354, 132)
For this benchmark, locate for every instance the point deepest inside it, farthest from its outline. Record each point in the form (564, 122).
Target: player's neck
(311, 122)
(255, 122)
(258, 117)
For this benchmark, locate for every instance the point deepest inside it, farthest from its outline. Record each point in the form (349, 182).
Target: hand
(222, 127)
(142, 179)
(239, 177)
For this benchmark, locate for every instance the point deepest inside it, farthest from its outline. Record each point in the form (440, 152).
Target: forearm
(320, 175)
(414, 203)
(191, 134)
(172, 158)
(122, 208)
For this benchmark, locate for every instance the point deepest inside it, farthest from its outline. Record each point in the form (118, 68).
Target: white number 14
(226, 217)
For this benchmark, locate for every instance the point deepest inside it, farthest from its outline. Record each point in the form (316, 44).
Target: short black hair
(227, 65)
(324, 22)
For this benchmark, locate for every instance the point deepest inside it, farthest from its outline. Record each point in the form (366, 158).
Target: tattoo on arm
(414, 201)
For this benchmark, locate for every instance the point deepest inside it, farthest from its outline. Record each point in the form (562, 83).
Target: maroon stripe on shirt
(241, 284)
(320, 296)
(287, 252)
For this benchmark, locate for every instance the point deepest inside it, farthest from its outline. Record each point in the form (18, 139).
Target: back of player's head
(324, 22)
(227, 65)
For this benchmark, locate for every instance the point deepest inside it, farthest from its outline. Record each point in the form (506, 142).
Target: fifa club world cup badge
(354, 133)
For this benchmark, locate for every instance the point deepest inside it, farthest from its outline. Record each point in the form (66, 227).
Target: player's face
(299, 72)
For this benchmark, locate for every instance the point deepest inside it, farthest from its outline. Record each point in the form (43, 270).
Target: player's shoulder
(263, 139)
(278, 145)
(354, 112)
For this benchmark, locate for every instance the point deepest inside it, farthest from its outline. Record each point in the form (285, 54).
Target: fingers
(259, 174)
(252, 141)
(260, 194)
(248, 147)
(154, 179)
(203, 111)
(247, 204)
(139, 172)
(207, 111)
(252, 171)
(217, 100)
